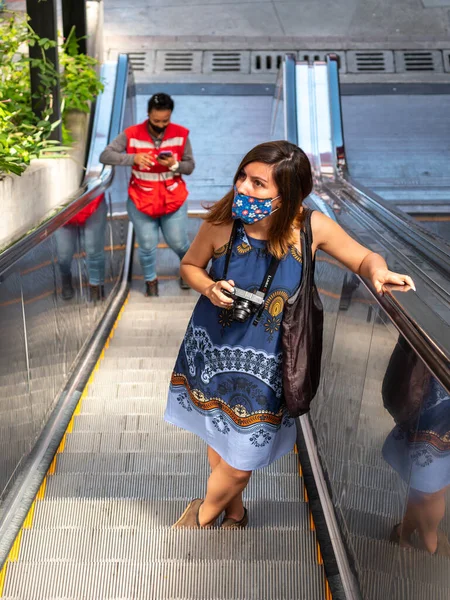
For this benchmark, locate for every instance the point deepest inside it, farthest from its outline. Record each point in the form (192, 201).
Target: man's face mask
(249, 209)
(157, 128)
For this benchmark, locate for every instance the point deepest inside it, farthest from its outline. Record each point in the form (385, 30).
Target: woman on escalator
(418, 448)
(227, 382)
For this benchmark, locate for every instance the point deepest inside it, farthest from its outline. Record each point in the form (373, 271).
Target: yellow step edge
(305, 495)
(41, 493)
(295, 449)
(328, 594)
(28, 523)
(3, 577)
(319, 555)
(14, 553)
(312, 525)
(52, 467)
(62, 445)
(69, 428)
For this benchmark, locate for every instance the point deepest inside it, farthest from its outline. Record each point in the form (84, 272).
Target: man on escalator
(159, 153)
(89, 225)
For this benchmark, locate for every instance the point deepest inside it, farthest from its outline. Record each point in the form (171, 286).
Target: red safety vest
(86, 212)
(156, 191)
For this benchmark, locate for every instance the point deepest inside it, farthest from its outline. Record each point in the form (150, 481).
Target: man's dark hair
(160, 102)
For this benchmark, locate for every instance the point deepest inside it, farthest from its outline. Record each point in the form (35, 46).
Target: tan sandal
(229, 523)
(189, 519)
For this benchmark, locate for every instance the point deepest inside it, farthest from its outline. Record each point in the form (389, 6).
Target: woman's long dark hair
(293, 178)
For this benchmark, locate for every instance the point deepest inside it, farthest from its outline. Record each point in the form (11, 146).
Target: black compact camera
(245, 303)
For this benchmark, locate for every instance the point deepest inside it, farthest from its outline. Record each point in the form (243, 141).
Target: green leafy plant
(79, 80)
(23, 135)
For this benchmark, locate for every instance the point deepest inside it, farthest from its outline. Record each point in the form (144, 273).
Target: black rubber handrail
(85, 194)
(432, 247)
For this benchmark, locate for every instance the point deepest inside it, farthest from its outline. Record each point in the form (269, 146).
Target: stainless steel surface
(46, 333)
(351, 426)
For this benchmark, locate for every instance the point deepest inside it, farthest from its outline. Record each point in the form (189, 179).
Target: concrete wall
(27, 200)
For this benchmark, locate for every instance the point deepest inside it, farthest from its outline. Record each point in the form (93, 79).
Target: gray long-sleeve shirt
(113, 154)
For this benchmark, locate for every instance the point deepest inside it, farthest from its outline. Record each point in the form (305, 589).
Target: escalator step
(143, 514)
(158, 462)
(95, 545)
(163, 486)
(124, 362)
(109, 376)
(165, 580)
(154, 392)
(416, 565)
(134, 442)
(379, 586)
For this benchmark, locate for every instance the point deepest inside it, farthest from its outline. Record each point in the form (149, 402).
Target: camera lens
(242, 310)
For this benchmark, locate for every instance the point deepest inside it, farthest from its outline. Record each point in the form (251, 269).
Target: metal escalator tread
(166, 579)
(102, 529)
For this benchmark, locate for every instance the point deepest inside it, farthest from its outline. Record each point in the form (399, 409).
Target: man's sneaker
(151, 288)
(184, 285)
(67, 290)
(96, 293)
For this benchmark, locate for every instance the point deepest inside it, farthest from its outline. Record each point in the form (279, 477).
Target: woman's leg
(424, 512)
(224, 484)
(235, 508)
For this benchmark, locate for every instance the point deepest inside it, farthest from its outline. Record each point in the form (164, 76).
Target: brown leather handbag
(302, 334)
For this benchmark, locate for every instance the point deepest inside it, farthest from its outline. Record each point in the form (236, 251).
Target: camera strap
(268, 277)
(265, 286)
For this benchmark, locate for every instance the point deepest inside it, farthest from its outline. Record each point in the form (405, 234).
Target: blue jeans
(174, 228)
(92, 237)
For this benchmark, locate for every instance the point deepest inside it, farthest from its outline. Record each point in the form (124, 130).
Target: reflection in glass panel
(44, 332)
(45, 351)
(47, 330)
(383, 430)
(16, 426)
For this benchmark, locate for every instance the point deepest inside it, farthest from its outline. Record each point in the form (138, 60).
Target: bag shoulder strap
(307, 226)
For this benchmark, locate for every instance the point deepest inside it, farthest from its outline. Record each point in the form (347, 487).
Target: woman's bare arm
(332, 239)
(195, 261)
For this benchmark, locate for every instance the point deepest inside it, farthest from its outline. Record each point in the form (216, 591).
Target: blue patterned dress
(227, 382)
